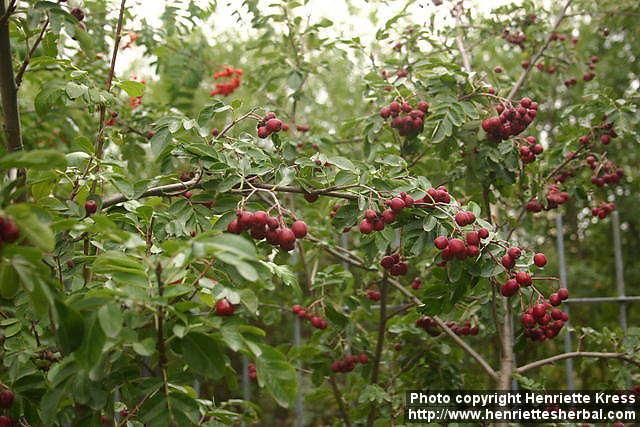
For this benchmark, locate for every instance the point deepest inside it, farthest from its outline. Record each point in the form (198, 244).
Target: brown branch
(539, 53)
(470, 351)
(9, 91)
(27, 59)
(572, 355)
(7, 13)
(114, 56)
(382, 329)
(343, 410)
(458, 10)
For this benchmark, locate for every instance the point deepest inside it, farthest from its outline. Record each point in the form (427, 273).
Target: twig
(537, 55)
(343, 410)
(458, 9)
(572, 355)
(382, 329)
(27, 58)
(483, 363)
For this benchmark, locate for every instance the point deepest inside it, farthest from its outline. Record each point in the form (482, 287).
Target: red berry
(539, 310)
(457, 247)
(299, 229)
(286, 237)
(508, 262)
(318, 322)
(483, 233)
(528, 320)
(365, 226)
(363, 358)
(397, 204)
(245, 219)
(540, 260)
(309, 197)
(473, 238)
(523, 278)
(260, 218)
(416, 283)
(373, 295)
(510, 288)
(5, 421)
(224, 307)
(514, 252)
(563, 293)
(473, 251)
(6, 398)
(234, 227)
(388, 216)
(554, 299)
(441, 242)
(296, 309)
(556, 314)
(274, 125)
(263, 132)
(90, 206)
(388, 261)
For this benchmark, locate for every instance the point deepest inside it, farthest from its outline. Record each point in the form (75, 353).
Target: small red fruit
(397, 204)
(441, 242)
(514, 252)
(224, 307)
(373, 295)
(5, 421)
(473, 238)
(540, 260)
(510, 288)
(563, 293)
(483, 233)
(299, 229)
(297, 308)
(6, 398)
(365, 227)
(523, 278)
(274, 125)
(508, 262)
(90, 206)
(363, 358)
(554, 300)
(388, 261)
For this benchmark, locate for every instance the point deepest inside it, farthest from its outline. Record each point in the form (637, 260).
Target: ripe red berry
(273, 125)
(6, 398)
(388, 261)
(286, 237)
(509, 288)
(365, 226)
(296, 309)
(473, 238)
(318, 322)
(309, 197)
(416, 283)
(373, 295)
(245, 219)
(483, 233)
(508, 262)
(441, 242)
(263, 132)
(528, 320)
(260, 218)
(563, 293)
(5, 421)
(299, 229)
(77, 13)
(397, 204)
(388, 216)
(539, 310)
(540, 260)
(234, 227)
(554, 299)
(90, 206)
(523, 278)
(224, 307)
(363, 358)
(473, 251)
(514, 252)
(457, 247)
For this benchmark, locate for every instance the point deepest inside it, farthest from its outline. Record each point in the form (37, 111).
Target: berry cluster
(435, 195)
(521, 278)
(611, 174)
(515, 39)
(253, 374)
(408, 120)
(549, 319)
(429, 325)
(463, 329)
(263, 226)
(395, 266)
(302, 313)
(416, 283)
(529, 152)
(228, 87)
(224, 308)
(9, 231)
(348, 363)
(455, 248)
(511, 121)
(375, 221)
(603, 210)
(463, 218)
(556, 197)
(268, 125)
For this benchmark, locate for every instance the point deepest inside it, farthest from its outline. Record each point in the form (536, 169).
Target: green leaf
(277, 376)
(88, 355)
(31, 227)
(9, 281)
(110, 318)
(70, 327)
(442, 130)
(203, 354)
(34, 159)
(133, 88)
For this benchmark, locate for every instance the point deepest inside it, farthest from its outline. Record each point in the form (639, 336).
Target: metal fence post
(617, 252)
(563, 283)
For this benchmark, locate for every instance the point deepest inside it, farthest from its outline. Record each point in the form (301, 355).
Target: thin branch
(343, 410)
(458, 10)
(470, 351)
(9, 91)
(539, 53)
(114, 56)
(27, 58)
(7, 13)
(572, 355)
(382, 329)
